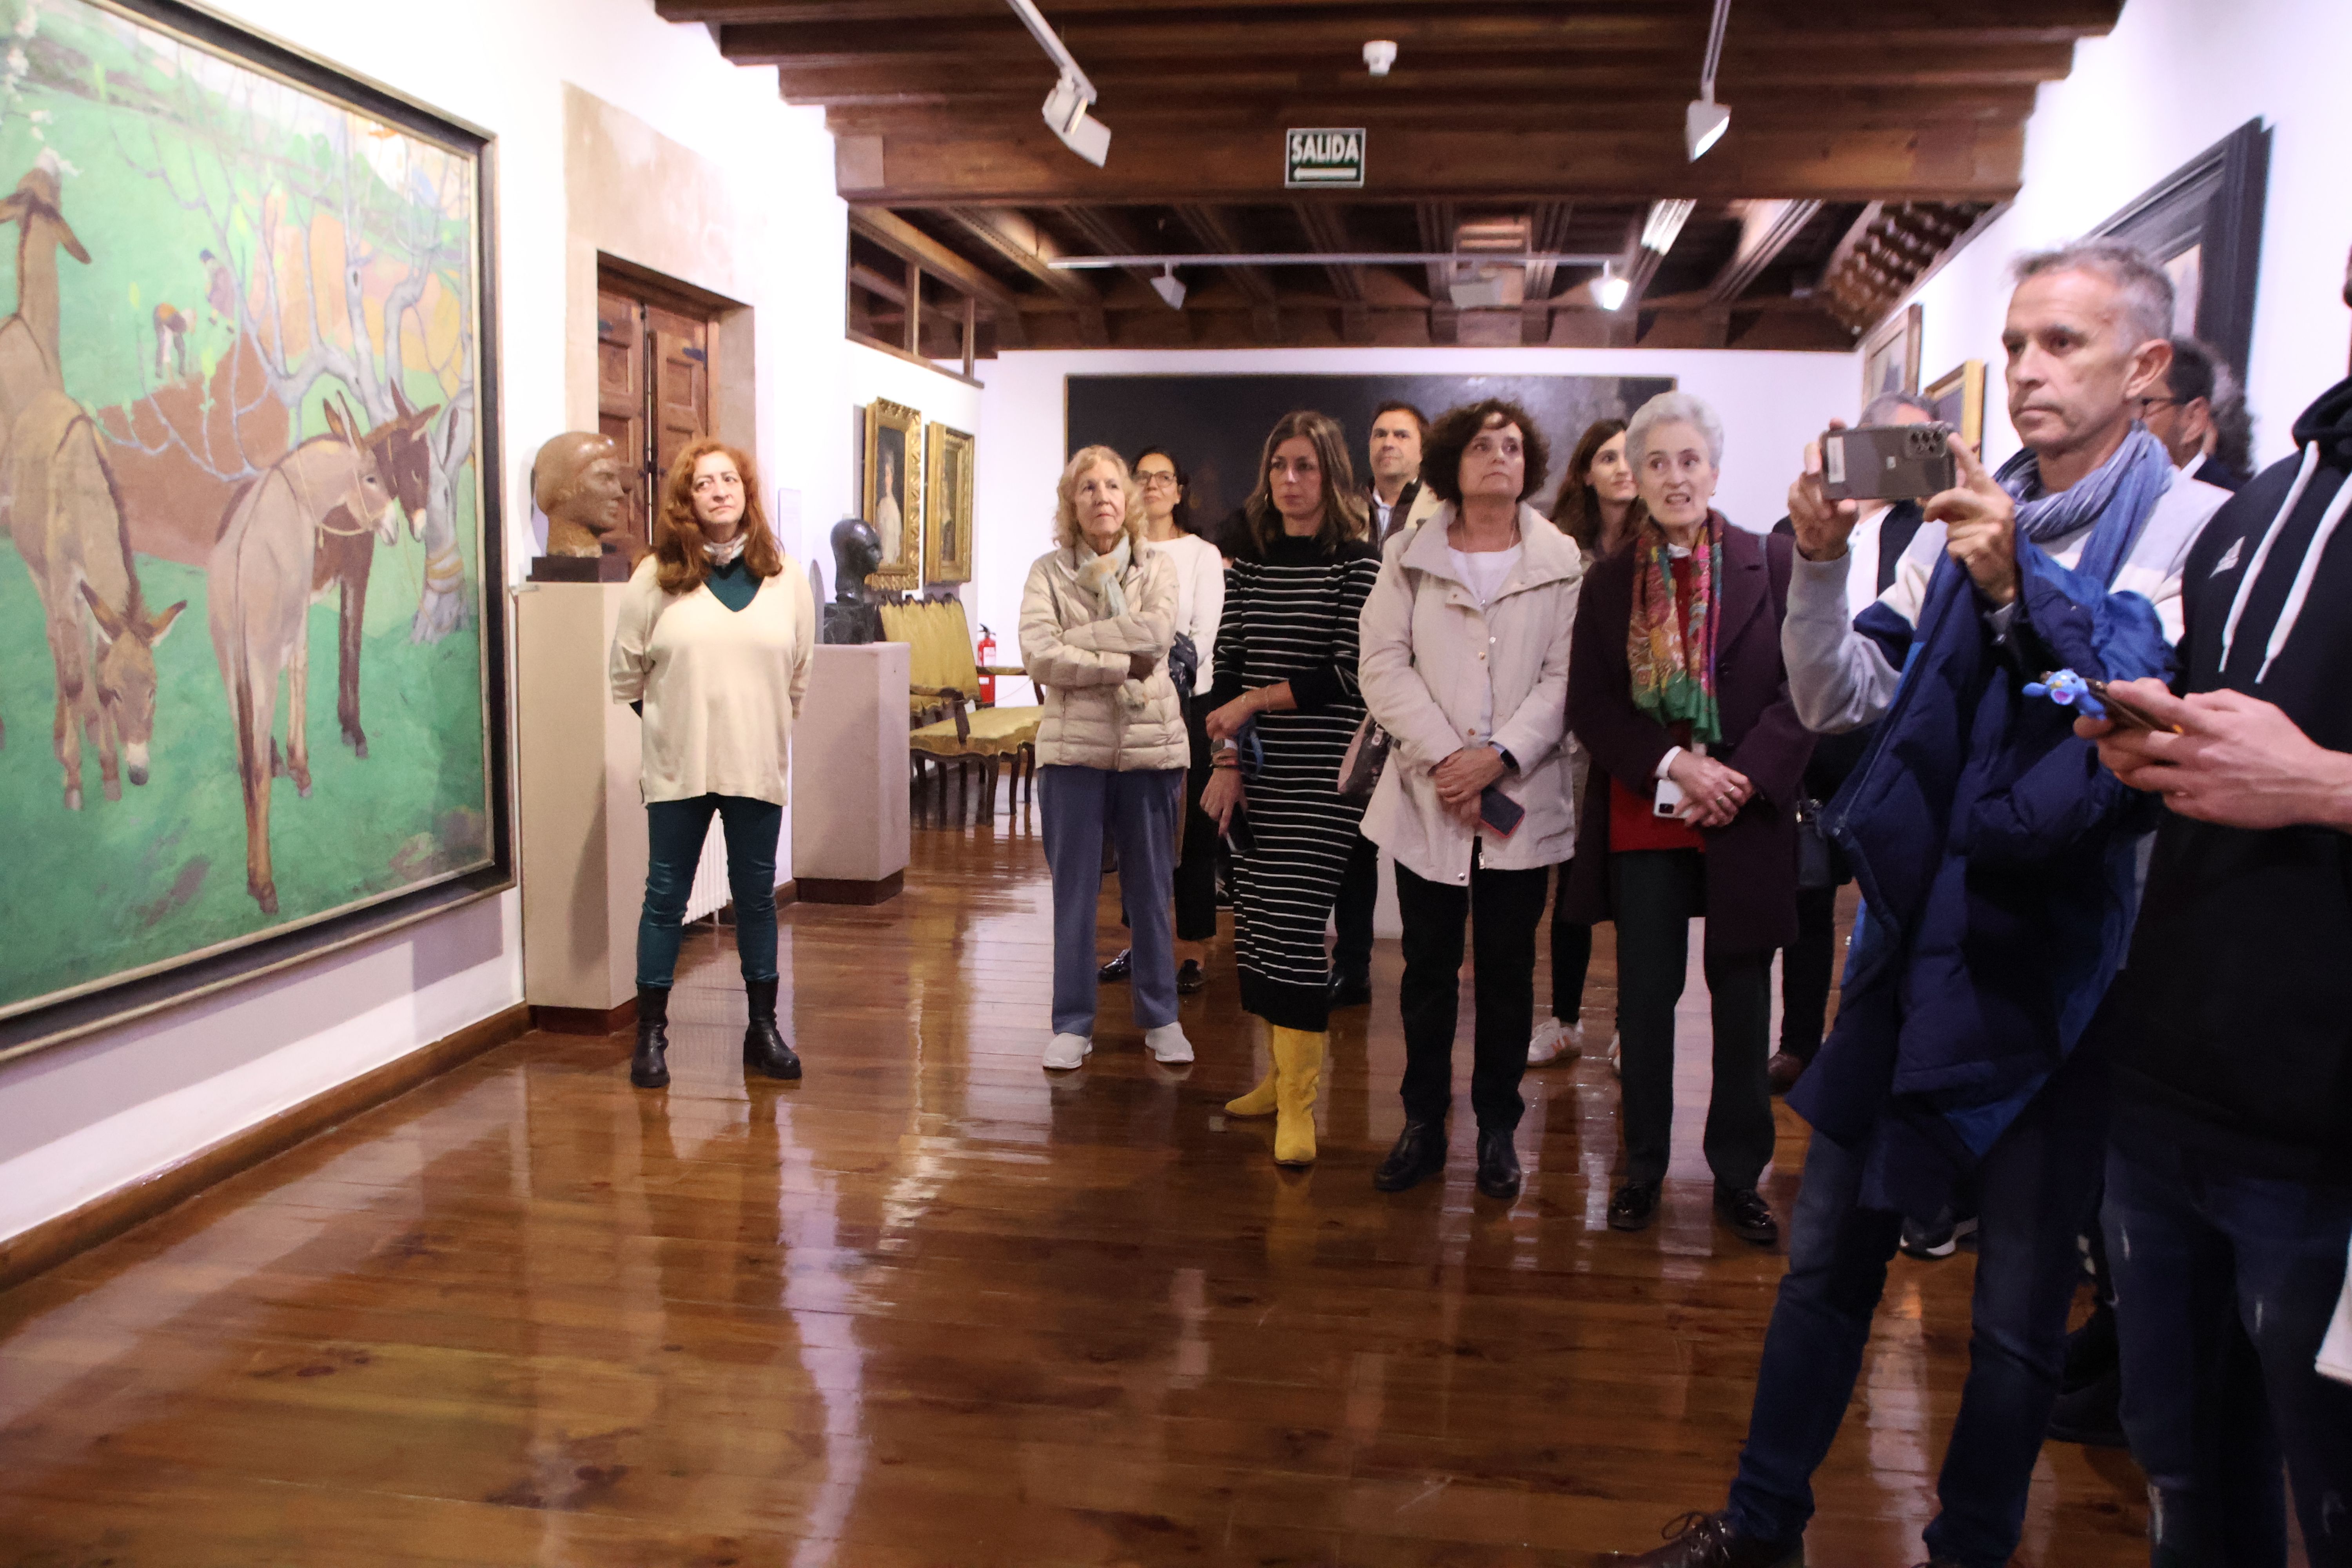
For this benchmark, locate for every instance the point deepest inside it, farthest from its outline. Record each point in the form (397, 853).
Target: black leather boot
(764, 1051)
(650, 1068)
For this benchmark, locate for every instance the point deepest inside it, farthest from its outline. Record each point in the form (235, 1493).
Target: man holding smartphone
(2228, 1206)
(1998, 870)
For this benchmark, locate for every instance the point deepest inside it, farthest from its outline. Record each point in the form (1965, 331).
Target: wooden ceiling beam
(1026, 166)
(896, 235)
(1015, 239)
(1767, 229)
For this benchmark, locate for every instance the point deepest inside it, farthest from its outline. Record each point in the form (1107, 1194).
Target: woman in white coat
(1464, 664)
(1097, 615)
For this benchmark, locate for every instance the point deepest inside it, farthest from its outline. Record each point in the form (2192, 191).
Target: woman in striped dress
(1282, 712)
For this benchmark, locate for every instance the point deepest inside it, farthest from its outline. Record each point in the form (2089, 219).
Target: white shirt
(1199, 596)
(1482, 571)
(1861, 550)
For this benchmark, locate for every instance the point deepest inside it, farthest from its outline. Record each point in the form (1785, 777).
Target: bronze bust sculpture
(852, 617)
(579, 480)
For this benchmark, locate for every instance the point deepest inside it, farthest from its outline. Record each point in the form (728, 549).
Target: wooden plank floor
(929, 1307)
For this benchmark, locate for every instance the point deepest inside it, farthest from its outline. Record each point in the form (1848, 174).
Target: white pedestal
(581, 818)
(849, 776)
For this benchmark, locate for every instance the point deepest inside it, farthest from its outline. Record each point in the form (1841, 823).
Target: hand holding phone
(1499, 811)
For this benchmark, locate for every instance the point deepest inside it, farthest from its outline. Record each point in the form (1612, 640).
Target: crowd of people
(2095, 996)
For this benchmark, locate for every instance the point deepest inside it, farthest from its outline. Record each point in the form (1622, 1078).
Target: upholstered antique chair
(949, 726)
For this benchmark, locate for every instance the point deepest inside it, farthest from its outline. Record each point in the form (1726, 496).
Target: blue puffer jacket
(1999, 870)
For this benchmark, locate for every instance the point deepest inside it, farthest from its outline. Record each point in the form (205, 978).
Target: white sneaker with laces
(1617, 1055)
(1554, 1039)
(1166, 1043)
(1067, 1051)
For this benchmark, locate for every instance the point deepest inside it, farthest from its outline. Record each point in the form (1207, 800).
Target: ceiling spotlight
(1067, 105)
(1066, 111)
(1609, 290)
(1379, 55)
(1705, 121)
(1169, 289)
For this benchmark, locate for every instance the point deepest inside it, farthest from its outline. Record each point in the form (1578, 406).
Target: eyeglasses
(2146, 404)
(1155, 478)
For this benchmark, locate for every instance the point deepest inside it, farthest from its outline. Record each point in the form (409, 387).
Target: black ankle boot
(649, 1068)
(764, 1051)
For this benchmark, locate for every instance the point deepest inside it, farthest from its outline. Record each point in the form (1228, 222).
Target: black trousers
(1656, 893)
(1196, 864)
(1806, 967)
(1502, 910)
(1571, 956)
(1351, 914)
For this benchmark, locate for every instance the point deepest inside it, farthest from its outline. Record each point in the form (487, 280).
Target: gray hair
(1673, 408)
(2143, 289)
(1880, 410)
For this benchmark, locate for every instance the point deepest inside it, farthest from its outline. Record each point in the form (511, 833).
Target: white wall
(82, 1120)
(2174, 78)
(1770, 403)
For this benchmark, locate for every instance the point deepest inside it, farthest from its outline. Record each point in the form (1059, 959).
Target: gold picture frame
(1959, 399)
(947, 505)
(893, 494)
(1890, 354)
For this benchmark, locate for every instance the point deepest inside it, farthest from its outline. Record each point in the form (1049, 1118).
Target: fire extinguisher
(987, 658)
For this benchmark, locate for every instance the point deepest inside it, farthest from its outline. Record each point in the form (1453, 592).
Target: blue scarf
(2119, 493)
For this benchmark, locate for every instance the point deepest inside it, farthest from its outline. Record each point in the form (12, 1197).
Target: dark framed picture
(2203, 225)
(1890, 354)
(947, 505)
(248, 408)
(893, 503)
(1959, 400)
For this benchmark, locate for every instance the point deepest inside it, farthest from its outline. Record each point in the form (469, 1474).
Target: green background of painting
(123, 885)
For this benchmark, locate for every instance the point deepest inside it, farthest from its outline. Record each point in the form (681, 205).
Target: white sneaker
(1168, 1044)
(1617, 1055)
(1067, 1051)
(1553, 1039)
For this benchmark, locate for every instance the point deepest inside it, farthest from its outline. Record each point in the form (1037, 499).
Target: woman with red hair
(712, 651)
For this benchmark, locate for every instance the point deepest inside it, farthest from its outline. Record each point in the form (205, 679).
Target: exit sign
(1313, 158)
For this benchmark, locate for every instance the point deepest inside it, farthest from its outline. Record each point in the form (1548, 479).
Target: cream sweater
(720, 686)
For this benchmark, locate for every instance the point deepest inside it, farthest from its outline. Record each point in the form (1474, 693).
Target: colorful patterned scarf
(1671, 662)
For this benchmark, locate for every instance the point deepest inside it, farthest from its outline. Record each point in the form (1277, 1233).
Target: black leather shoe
(1419, 1153)
(1783, 1071)
(649, 1065)
(1707, 1540)
(1498, 1165)
(1191, 977)
(764, 1051)
(1351, 987)
(1634, 1205)
(1749, 1216)
(1117, 970)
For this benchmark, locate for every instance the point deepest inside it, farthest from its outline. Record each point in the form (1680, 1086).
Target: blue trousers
(2225, 1282)
(674, 830)
(1140, 811)
(2035, 1189)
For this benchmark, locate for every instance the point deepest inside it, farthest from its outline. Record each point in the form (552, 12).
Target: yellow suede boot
(1258, 1102)
(1297, 1070)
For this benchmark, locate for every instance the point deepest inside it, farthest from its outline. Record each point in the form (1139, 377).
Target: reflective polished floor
(931, 1307)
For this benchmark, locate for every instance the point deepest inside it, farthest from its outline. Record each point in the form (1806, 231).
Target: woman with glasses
(1283, 707)
(1676, 686)
(1200, 602)
(713, 651)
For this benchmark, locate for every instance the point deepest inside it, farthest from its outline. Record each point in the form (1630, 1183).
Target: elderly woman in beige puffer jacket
(1097, 615)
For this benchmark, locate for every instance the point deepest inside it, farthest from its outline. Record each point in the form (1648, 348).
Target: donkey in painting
(66, 520)
(257, 589)
(29, 339)
(403, 456)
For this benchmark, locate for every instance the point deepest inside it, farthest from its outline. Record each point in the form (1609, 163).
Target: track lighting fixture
(1169, 288)
(1705, 121)
(1073, 95)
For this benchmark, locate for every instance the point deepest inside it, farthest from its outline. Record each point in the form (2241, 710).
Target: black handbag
(1816, 856)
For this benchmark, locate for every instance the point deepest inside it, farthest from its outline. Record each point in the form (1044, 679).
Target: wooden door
(680, 355)
(623, 392)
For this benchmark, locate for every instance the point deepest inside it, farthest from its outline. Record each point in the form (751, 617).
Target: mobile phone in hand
(2123, 713)
(1499, 811)
(1669, 800)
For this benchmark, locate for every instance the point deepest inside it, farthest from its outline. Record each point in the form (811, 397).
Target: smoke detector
(1379, 55)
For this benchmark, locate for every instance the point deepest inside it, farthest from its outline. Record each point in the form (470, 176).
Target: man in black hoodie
(2229, 1205)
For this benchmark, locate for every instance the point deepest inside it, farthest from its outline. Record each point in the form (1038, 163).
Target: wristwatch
(1509, 760)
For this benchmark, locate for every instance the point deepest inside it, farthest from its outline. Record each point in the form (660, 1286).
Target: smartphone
(1499, 811)
(2123, 713)
(1888, 462)
(1669, 801)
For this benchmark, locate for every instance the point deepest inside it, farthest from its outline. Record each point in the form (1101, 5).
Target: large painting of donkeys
(247, 684)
